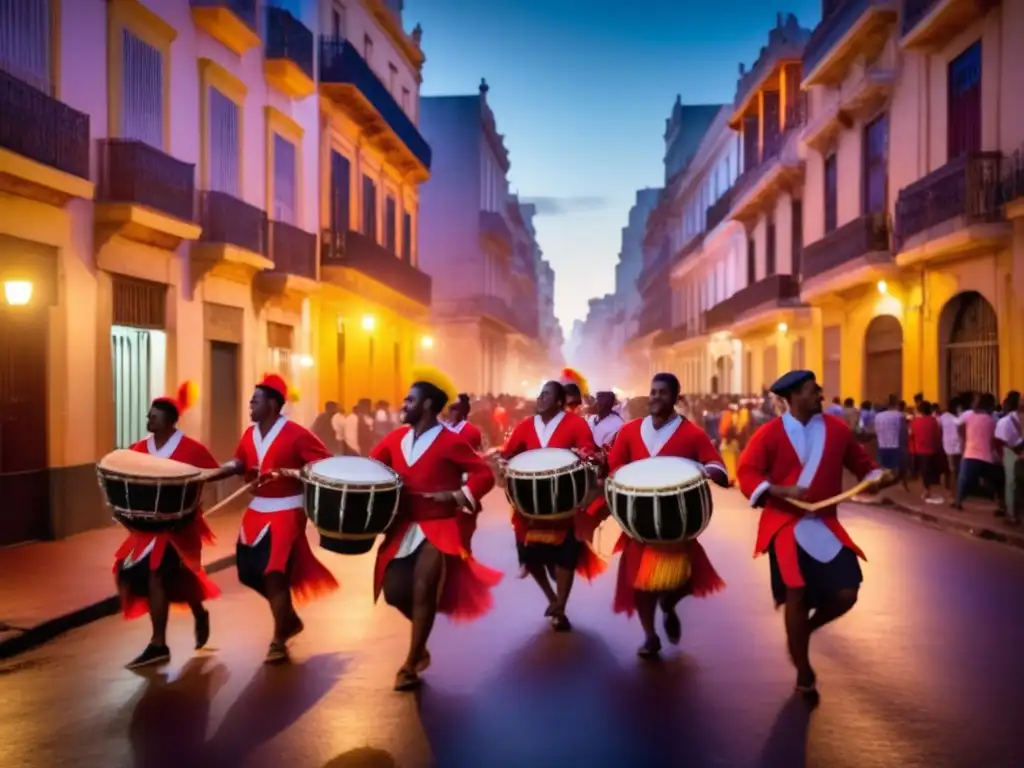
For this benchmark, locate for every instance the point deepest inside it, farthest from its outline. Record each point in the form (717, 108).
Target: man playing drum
(274, 556)
(801, 456)
(154, 569)
(661, 575)
(458, 415)
(425, 566)
(553, 547)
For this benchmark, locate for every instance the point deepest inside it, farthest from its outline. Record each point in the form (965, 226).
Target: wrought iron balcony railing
(866, 234)
(293, 250)
(772, 289)
(288, 38)
(226, 219)
(134, 172)
(357, 251)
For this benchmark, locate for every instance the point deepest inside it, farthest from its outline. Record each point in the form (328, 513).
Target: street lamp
(369, 323)
(783, 327)
(17, 293)
(883, 287)
(427, 342)
(306, 361)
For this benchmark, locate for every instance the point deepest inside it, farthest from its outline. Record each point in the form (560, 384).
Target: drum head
(657, 473)
(354, 470)
(144, 465)
(346, 546)
(542, 460)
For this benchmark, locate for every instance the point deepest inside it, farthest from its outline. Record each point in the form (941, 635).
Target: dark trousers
(972, 473)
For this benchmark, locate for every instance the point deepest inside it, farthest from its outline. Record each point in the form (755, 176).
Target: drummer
(604, 422)
(576, 390)
(155, 569)
(424, 565)
(458, 422)
(274, 556)
(553, 549)
(662, 575)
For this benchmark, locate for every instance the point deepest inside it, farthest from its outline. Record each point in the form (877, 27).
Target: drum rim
(132, 514)
(514, 474)
(685, 538)
(611, 484)
(395, 483)
(347, 536)
(113, 474)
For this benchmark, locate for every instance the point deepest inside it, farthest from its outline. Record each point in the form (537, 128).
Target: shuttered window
(223, 144)
(142, 91)
(285, 192)
(25, 41)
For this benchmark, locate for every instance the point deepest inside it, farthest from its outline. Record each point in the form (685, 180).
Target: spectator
(926, 441)
(952, 442)
(888, 424)
(977, 429)
(1010, 440)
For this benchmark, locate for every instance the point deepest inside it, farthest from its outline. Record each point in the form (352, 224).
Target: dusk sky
(581, 91)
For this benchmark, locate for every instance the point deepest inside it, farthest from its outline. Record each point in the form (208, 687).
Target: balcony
(354, 252)
(867, 87)
(288, 63)
(44, 145)
(930, 24)
(779, 168)
(348, 80)
(655, 315)
(855, 29)
(234, 238)
(771, 292)
(294, 256)
(785, 46)
(682, 332)
(953, 212)
(718, 211)
(232, 23)
(1013, 184)
(495, 229)
(145, 195)
(854, 254)
(476, 308)
(656, 272)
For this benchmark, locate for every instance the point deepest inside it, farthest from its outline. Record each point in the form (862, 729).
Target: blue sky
(581, 91)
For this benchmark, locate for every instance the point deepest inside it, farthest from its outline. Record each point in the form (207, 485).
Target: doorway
(224, 409)
(883, 359)
(969, 346)
(24, 460)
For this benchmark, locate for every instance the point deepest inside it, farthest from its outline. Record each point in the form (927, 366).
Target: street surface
(928, 670)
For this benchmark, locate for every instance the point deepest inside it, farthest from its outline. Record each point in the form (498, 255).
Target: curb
(54, 628)
(988, 533)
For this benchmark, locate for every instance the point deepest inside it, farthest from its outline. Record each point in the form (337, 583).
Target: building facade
(161, 175)
(475, 243)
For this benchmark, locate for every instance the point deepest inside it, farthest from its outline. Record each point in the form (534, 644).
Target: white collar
(546, 431)
(263, 442)
(655, 439)
(167, 449)
(457, 428)
(413, 448)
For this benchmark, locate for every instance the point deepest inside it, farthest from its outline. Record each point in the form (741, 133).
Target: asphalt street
(928, 670)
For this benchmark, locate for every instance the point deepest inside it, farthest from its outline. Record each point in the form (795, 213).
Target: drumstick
(232, 497)
(818, 505)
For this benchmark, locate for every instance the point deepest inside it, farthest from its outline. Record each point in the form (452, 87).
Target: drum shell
(150, 505)
(667, 516)
(549, 495)
(349, 516)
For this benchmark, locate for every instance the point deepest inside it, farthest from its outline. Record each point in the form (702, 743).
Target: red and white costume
(605, 429)
(470, 433)
(786, 452)
(434, 463)
(276, 509)
(568, 431)
(661, 568)
(190, 582)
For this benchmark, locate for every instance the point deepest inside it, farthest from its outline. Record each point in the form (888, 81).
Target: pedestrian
(653, 576)
(157, 568)
(952, 443)
(1011, 442)
(273, 554)
(977, 429)
(889, 424)
(425, 565)
(553, 548)
(801, 456)
(323, 427)
(926, 440)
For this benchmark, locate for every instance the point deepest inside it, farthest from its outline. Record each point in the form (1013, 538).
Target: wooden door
(225, 408)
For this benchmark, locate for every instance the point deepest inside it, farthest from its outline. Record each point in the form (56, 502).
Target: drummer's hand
(448, 497)
(787, 491)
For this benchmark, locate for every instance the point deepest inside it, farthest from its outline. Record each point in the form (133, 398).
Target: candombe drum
(147, 493)
(351, 500)
(661, 500)
(547, 483)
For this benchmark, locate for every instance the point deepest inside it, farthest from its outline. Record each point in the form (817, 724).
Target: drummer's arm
(479, 479)
(225, 470)
(752, 470)
(709, 456)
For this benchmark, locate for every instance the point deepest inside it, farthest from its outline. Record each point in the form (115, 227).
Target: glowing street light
(783, 327)
(427, 342)
(369, 323)
(17, 293)
(306, 361)
(883, 287)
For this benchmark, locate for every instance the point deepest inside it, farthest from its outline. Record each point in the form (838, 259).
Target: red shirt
(926, 435)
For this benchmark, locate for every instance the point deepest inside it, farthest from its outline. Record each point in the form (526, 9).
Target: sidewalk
(976, 519)
(49, 588)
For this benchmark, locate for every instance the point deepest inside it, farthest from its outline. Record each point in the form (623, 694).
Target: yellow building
(912, 261)
(374, 304)
(154, 227)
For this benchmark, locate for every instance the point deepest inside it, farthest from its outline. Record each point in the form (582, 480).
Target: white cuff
(470, 498)
(760, 491)
(716, 466)
(873, 475)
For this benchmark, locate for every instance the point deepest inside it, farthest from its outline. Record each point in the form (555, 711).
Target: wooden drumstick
(247, 487)
(815, 506)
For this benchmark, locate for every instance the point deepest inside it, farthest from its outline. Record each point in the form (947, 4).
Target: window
(769, 252)
(876, 165)
(367, 49)
(223, 144)
(392, 77)
(142, 91)
(369, 208)
(285, 191)
(963, 126)
(407, 238)
(341, 173)
(25, 43)
(338, 21)
(751, 261)
(405, 100)
(831, 193)
(390, 224)
(797, 236)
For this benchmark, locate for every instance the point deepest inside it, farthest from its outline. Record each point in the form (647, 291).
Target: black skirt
(822, 580)
(565, 555)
